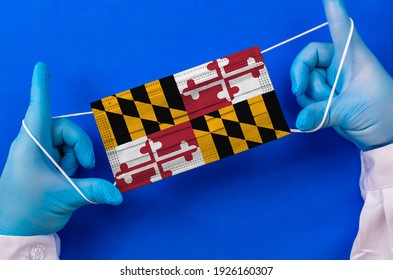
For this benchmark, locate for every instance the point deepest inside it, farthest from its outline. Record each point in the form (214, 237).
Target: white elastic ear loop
(73, 115)
(330, 99)
(55, 163)
(295, 37)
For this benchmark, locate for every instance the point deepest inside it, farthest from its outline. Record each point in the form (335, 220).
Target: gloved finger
(67, 133)
(68, 162)
(339, 23)
(99, 191)
(38, 115)
(313, 55)
(318, 89)
(304, 100)
(311, 116)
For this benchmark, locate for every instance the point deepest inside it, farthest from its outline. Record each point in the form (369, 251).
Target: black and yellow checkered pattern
(239, 127)
(138, 112)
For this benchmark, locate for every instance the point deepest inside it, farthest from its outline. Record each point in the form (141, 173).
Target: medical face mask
(192, 118)
(186, 120)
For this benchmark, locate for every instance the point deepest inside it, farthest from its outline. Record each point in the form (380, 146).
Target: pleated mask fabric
(186, 120)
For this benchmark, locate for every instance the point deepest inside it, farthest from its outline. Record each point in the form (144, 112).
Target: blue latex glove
(35, 199)
(362, 108)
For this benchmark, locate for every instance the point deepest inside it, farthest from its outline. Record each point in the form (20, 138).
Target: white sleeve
(375, 236)
(40, 247)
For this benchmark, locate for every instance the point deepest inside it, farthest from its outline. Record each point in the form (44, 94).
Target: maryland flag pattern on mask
(189, 119)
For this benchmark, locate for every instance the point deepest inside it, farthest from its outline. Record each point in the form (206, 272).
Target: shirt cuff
(377, 168)
(39, 247)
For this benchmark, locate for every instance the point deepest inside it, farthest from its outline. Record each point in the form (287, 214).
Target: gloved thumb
(339, 22)
(38, 116)
(98, 191)
(311, 116)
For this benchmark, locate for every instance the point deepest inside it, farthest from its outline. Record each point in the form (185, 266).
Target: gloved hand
(361, 110)
(35, 199)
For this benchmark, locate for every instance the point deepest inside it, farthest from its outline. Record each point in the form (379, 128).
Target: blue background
(294, 198)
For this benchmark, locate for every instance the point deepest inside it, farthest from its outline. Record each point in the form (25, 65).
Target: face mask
(155, 131)
(189, 119)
